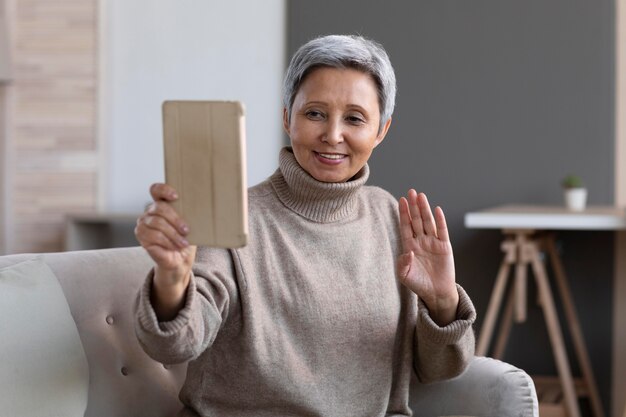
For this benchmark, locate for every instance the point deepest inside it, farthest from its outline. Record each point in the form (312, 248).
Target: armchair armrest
(488, 387)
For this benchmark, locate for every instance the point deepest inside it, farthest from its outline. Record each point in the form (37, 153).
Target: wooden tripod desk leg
(495, 302)
(554, 331)
(505, 325)
(520, 276)
(574, 326)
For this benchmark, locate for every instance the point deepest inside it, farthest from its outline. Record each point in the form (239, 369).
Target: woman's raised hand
(426, 265)
(161, 232)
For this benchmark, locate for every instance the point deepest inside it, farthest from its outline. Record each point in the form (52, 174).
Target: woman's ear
(383, 132)
(286, 120)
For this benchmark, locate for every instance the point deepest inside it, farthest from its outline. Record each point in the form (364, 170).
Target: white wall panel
(153, 51)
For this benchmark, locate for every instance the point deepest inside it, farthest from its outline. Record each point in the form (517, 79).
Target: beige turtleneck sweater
(309, 318)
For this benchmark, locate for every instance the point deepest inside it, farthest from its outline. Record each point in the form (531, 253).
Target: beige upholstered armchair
(68, 348)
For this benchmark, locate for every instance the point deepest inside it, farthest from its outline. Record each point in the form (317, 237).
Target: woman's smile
(330, 158)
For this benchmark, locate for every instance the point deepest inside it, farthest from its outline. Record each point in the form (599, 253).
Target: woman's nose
(334, 133)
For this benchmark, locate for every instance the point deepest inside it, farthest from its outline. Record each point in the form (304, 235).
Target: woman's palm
(427, 264)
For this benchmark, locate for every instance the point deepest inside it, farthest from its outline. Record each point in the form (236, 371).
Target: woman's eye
(355, 119)
(314, 115)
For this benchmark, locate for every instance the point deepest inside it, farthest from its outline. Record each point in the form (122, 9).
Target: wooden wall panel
(52, 126)
(3, 185)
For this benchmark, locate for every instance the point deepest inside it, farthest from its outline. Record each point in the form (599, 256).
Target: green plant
(572, 181)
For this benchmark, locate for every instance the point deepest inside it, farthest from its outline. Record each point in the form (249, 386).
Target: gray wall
(497, 101)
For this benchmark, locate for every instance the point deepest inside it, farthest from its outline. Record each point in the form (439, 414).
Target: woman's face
(334, 123)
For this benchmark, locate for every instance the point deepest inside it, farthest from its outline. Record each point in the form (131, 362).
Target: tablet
(204, 150)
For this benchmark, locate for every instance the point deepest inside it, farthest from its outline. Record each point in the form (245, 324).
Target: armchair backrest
(100, 288)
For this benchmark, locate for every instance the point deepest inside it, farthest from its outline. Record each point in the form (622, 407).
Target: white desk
(547, 218)
(525, 230)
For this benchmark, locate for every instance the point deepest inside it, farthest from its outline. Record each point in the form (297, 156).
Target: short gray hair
(343, 51)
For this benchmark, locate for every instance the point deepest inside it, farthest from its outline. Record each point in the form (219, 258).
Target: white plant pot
(576, 199)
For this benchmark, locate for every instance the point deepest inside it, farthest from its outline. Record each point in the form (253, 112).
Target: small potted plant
(575, 193)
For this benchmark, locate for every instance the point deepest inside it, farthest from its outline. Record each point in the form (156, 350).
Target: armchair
(109, 375)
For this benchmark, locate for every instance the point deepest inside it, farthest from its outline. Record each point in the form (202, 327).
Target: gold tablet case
(204, 144)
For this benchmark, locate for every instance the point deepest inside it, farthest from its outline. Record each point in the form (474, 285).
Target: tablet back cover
(204, 144)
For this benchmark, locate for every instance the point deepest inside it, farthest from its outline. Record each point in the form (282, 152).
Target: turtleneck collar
(322, 202)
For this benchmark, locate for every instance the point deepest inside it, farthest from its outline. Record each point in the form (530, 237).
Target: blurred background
(497, 101)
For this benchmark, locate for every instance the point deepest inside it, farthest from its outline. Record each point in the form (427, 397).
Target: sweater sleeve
(444, 352)
(211, 294)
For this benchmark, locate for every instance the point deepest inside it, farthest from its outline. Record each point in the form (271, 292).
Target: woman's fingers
(428, 222)
(161, 232)
(152, 230)
(406, 229)
(416, 212)
(164, 192)
(166, 211)
(160, 225)
(416, 217)
(442, 227)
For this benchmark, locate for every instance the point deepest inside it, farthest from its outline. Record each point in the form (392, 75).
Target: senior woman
(341, 291)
